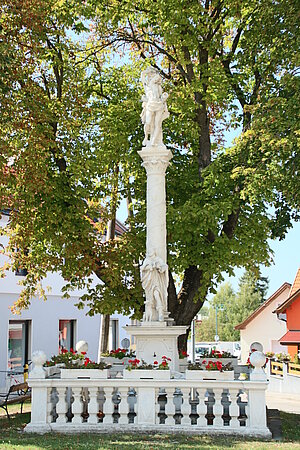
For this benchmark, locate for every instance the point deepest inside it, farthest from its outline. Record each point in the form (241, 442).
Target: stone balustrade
(199, 406)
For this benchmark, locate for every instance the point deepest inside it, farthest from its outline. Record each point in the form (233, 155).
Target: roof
(255, 313)
(296, 284)
(287, 303)
(291, 337)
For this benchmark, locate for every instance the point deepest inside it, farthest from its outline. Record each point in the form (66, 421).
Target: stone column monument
(158, 335)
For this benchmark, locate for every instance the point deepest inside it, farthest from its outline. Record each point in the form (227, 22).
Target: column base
(156, 339)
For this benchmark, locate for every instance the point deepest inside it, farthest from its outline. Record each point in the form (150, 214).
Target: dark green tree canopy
(70, 132)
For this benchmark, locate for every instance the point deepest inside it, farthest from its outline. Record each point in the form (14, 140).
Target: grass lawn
(12, 437)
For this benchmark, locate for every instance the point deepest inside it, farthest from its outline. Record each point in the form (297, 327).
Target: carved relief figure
(154, 276)
(155, 108)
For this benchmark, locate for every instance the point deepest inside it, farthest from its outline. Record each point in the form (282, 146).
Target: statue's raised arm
(155, 108)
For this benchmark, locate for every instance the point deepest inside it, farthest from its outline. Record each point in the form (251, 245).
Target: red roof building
(289, 311)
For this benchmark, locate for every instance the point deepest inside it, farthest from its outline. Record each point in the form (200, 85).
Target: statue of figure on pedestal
(155, 108)
(155, 279)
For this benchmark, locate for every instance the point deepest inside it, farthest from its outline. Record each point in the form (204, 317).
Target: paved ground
(284, 402)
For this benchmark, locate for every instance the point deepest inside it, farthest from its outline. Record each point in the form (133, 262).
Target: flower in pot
(183, 354)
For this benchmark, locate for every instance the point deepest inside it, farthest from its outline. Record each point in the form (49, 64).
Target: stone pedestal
(156, 339)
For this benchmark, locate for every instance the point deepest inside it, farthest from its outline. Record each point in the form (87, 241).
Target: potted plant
(270, 355)
(224, 357)
(137, 369)
(283, 357)
(118, 357)
(210, 370)
(72, 364)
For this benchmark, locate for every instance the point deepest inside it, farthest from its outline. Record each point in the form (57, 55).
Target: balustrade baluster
(123, 406)
(202, 408)
(234, 409)
(49, 405)
(218, 408)
(170, 407)
(157, 406)
(93, 406)
(62, 405)
(185, 407)
(108, 407)
(77, 406)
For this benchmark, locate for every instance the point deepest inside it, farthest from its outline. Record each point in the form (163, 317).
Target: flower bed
(141, 370)
(216, 355)
(210, 370)
(233, 361)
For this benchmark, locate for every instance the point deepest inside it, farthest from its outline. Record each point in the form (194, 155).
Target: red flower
(164, 363)
(204, 361)
(155, 362)
(83, 353)
(169, 359)
(123, 350)
(163, 357)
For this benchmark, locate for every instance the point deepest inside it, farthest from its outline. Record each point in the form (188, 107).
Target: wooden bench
(18, 393)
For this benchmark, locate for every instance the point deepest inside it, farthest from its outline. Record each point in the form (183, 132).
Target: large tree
(69, 150)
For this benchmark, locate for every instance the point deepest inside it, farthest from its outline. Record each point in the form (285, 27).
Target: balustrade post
(218, 407)
(93, 406)
(170, 407)
(62, 405)
(202, 408)
(146, 402)
(123, 406)
(39, 408)
(234, 409)
(108, 407)
(185, 407)
(257, 406)
(77, 406)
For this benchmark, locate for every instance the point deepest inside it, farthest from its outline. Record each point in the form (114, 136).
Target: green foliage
(232, 308)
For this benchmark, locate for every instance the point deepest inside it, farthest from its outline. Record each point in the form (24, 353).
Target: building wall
(265, 328)
(45, 316)
(293, 323)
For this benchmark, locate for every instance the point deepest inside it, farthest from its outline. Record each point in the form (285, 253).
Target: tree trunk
(110, 234)
(104, 333)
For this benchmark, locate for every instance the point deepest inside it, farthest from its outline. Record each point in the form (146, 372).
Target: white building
(46, 326)
(263, 326)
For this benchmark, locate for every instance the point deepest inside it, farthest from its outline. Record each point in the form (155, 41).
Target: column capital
(155, 158)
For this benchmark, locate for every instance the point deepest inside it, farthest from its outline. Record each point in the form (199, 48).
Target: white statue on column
(155, 279)
(155, 108)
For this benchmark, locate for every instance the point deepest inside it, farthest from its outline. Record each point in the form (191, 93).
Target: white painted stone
(147, 374)
(153, 342)
(155, 108)
(38, 358)
(209, 375)
(82, 347)
(258, 360)
(84, 374)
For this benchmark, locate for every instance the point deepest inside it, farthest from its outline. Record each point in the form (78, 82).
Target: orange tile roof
(296, 284)
(291, 337)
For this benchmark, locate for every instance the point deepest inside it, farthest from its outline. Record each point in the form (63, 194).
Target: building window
(114, 332)
(66, 339)
(18, 344)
